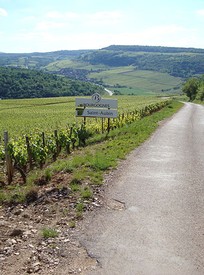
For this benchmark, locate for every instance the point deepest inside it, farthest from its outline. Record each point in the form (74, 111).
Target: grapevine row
(36, 149)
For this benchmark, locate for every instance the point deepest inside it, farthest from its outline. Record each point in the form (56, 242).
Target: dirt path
(152, 222)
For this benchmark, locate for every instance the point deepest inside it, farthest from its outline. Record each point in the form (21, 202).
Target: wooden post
(84, 121)
(43, 139)
(29, 153)
(9, 166)
(57, 142)
(102, 119)
(108, 125)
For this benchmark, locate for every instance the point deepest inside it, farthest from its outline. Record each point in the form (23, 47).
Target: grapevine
(34, 150)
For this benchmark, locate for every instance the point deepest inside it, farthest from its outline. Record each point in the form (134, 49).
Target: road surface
(153, 219)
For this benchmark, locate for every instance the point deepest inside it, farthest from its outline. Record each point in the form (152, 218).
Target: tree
(200, 92)
(190, 88)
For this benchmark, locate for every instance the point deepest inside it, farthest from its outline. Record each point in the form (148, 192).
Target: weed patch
(49, 233)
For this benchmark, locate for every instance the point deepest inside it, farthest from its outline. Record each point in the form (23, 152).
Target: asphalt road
(153, 219)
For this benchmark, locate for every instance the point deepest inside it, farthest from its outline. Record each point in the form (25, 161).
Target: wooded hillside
(24, 83)
(179, 62)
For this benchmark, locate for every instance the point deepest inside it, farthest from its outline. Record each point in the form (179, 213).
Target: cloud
(104, 18)
(54, 15)
(28, 19)
(48, 25)
(90, 39)
(62, 15)
(55, 20)
(169, 35)
(86, 19)
(3, 12)
(77, 22)
(166, 35)
(163, 30)
(106, 15)
(200, 12)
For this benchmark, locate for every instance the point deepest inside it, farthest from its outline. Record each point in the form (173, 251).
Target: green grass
(16, 193)
(86, 193)
(57, 65)
(138, 81)
(197, 101)
(72, 224)
(49, 233)
(73, 64)
(132, 91)
(79, 209)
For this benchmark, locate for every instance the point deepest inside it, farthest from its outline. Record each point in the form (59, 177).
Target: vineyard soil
(24, 250)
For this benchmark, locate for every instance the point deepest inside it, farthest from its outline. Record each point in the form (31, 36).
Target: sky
(50, 25)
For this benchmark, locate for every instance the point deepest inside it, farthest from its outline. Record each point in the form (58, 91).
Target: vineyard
(36, 131)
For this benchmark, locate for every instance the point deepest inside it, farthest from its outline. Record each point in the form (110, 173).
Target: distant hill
(179, 62)
(124, 69)
(159, 49)
(37, 60)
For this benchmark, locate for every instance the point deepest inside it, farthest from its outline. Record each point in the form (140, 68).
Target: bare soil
(24, 250)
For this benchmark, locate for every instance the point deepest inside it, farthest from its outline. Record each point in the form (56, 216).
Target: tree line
(159, 49)
(24, 83)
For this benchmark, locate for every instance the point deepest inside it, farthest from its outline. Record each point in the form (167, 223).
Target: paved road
(153, 222)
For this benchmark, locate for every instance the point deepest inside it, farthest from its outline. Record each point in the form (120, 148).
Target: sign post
(97, 107)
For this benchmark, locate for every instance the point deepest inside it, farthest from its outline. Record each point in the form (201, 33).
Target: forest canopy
(24, 83)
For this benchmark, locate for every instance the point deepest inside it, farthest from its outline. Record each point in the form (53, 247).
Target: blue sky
(50, 25)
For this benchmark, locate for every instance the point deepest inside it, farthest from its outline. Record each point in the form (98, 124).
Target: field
(125, 79)
(30, 115)
(67, 63)
(138, 81)
(39, 129)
